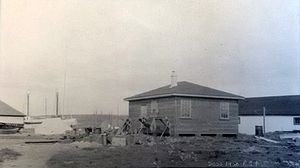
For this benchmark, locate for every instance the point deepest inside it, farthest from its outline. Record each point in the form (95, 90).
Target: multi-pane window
(296, 120)
(185, 108)
(224, 110)
(154, 108)
(143, 111)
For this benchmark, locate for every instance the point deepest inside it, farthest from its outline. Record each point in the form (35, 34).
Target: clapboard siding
(206, 117)
(165, 109)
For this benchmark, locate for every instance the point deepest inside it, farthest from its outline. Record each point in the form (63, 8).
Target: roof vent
(173, 79)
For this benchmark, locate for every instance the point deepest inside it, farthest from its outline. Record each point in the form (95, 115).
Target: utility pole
(28, 94)
(46, 108)
(57, 101)
(264, 119)
(118, 115)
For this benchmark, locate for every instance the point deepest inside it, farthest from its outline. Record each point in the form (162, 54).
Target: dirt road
(32, 155)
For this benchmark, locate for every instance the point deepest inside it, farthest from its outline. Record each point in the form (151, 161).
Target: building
(191, 109)
(282, 113)
(9, 115)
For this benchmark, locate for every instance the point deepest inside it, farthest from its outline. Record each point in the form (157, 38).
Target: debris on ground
(8, 154)
(42, 141)
(290, 136)
(297, 142)
(51, 126)
(266, 139)
(85, 145)
(252, 150)
(241, 151)
(118, 141)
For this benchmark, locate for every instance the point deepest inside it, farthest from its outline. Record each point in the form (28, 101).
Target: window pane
(154, 108)
(186, 108)
(143, 111)
(297, 121)
(224, 110)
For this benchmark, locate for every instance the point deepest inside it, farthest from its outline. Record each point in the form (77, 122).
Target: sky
(110, 50)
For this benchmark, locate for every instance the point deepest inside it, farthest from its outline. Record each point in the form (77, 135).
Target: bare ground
(28, 155)
(244, 151)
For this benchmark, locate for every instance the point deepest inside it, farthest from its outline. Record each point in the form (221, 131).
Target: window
(185, 108)
(154, 109)
(296, 120)
(224, 110)
(143, 111)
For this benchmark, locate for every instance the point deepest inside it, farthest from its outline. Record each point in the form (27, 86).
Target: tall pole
(118, 115)
(1, 57)
(110, 117)
(64, 102)
(46, 108)
(28, 94)
(64, 93)
(264, 119)
(57, 101)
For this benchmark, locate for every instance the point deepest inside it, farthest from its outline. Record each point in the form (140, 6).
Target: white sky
(115, 49)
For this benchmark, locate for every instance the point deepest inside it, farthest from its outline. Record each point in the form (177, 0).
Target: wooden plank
(42, 141)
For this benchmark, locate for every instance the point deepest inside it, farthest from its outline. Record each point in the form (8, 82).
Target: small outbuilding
(190, 108)
(10, 116)
(276, 113)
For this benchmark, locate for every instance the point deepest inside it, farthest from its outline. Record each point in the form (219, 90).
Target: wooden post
(28, 93)
(118, 115)
(264, 120)
(46, 107)
(56, 109)
(95, 121)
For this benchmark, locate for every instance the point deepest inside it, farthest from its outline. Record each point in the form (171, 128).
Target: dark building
(190, 108)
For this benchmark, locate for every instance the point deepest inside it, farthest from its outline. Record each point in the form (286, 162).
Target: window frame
(294, 120)
(186, 104)
(222, 111)
(154, 106)
(144, 111)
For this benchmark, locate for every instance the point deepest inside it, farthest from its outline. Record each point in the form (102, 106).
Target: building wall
(8, 119)
(166, 108)
(273, 123)
(206, 117)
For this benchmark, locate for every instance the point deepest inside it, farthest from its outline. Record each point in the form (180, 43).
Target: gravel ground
(243, 151)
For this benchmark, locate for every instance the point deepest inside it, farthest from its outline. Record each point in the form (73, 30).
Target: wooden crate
(118, 141)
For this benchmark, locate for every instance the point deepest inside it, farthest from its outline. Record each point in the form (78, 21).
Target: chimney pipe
(173, 79)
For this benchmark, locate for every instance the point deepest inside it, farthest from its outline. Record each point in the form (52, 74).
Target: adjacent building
(282, 113)
(190, 108)
(9, 115)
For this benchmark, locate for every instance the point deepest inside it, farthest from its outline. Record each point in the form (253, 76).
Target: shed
(10, 115)
(191, 108)
(282, 113)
